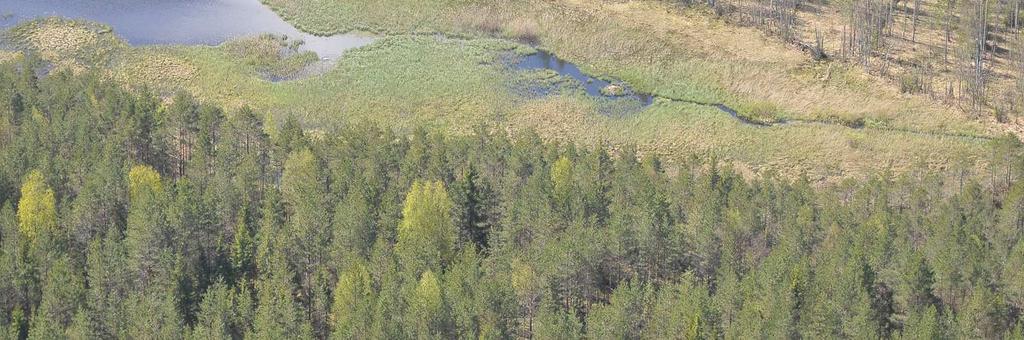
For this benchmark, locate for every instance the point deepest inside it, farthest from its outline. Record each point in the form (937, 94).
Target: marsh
(186, 22)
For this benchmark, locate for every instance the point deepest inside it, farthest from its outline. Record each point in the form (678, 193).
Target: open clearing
(450, 75)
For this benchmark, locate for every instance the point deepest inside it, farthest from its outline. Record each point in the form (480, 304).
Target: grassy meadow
(658, 49)
(458, 81)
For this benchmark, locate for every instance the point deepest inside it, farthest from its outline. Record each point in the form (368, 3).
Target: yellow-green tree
(143, 181)
(426, 307)
(145, 233)
(37, 211)
(561, 181)
(426, 234)
(353, 303)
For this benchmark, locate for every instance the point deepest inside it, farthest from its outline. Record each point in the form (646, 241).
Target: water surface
(178, 22)
(592, 85)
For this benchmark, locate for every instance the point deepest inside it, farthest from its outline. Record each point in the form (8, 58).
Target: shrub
(525, 30)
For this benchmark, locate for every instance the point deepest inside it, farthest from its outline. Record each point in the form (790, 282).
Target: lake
(181, 22)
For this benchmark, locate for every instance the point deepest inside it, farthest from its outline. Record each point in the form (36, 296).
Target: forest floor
(922, 53)
(440, 65)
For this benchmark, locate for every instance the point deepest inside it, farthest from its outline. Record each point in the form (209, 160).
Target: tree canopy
(362, 232)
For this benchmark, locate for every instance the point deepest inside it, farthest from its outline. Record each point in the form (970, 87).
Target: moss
(613, 90)
(68, 43)
(9, 56)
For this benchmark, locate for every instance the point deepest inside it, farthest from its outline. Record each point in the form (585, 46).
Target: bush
(525, 30)
(912, 82)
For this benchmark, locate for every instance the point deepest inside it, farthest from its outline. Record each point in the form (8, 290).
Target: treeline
(123, 217)
(959, 66)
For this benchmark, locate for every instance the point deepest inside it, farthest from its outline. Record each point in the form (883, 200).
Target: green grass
(658, 50)
(388, 17)
(274, 56)
(407, 81)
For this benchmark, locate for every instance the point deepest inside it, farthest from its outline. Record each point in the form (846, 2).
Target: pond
(179, 22)
(595, 87)
(211, 22)
(613, 91)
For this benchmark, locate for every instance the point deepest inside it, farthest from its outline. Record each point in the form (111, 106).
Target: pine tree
(63, 296)
(242, 250)
(147, 234)
(353, 303)
(553, 322)
(923, 324)
(154, 315)
(354, 228)
(216, 316)
(277, 315)
(562, 183)
(304, 189)
(426, 308)
(472, 199)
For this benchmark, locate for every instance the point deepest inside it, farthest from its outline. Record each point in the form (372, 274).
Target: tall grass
(454, 84)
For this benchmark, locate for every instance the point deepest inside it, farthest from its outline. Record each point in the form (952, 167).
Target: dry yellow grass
(752, 66)
(682, 54)
(910, 50)
(9, 56)
(70, 45)
(661, 48)
(453, 84)
(53, 41)
(156, 68)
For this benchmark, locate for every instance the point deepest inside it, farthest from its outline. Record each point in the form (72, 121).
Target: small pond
(211, 22)
(598, 88)
(595, 87)
(179, 22)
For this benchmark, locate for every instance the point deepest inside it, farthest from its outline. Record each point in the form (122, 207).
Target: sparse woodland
(968, 53)
(125, 217)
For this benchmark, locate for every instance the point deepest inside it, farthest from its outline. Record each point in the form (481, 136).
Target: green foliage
(426, 235)
(331, 234)
(154, 316)
(147, 234)
(217, 318)
(242, 250)
(426, 308)
(553, 322)
(682, 311)
(277, 314)
(562, 181)
(354, 301)
(923, 324)
(625, 316)
(473, 201)
(63, 296)
(144, 183)
(354, 227)
(304, 191)
(37, 211)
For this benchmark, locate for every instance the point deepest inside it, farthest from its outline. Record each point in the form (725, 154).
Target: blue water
(592, 85)
(179, 22)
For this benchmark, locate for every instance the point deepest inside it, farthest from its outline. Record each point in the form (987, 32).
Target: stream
(212, 22)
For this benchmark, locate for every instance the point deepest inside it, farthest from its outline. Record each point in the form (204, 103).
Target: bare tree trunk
(949, 28)
(978, 92)
(913, 34)
(1016, 14)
